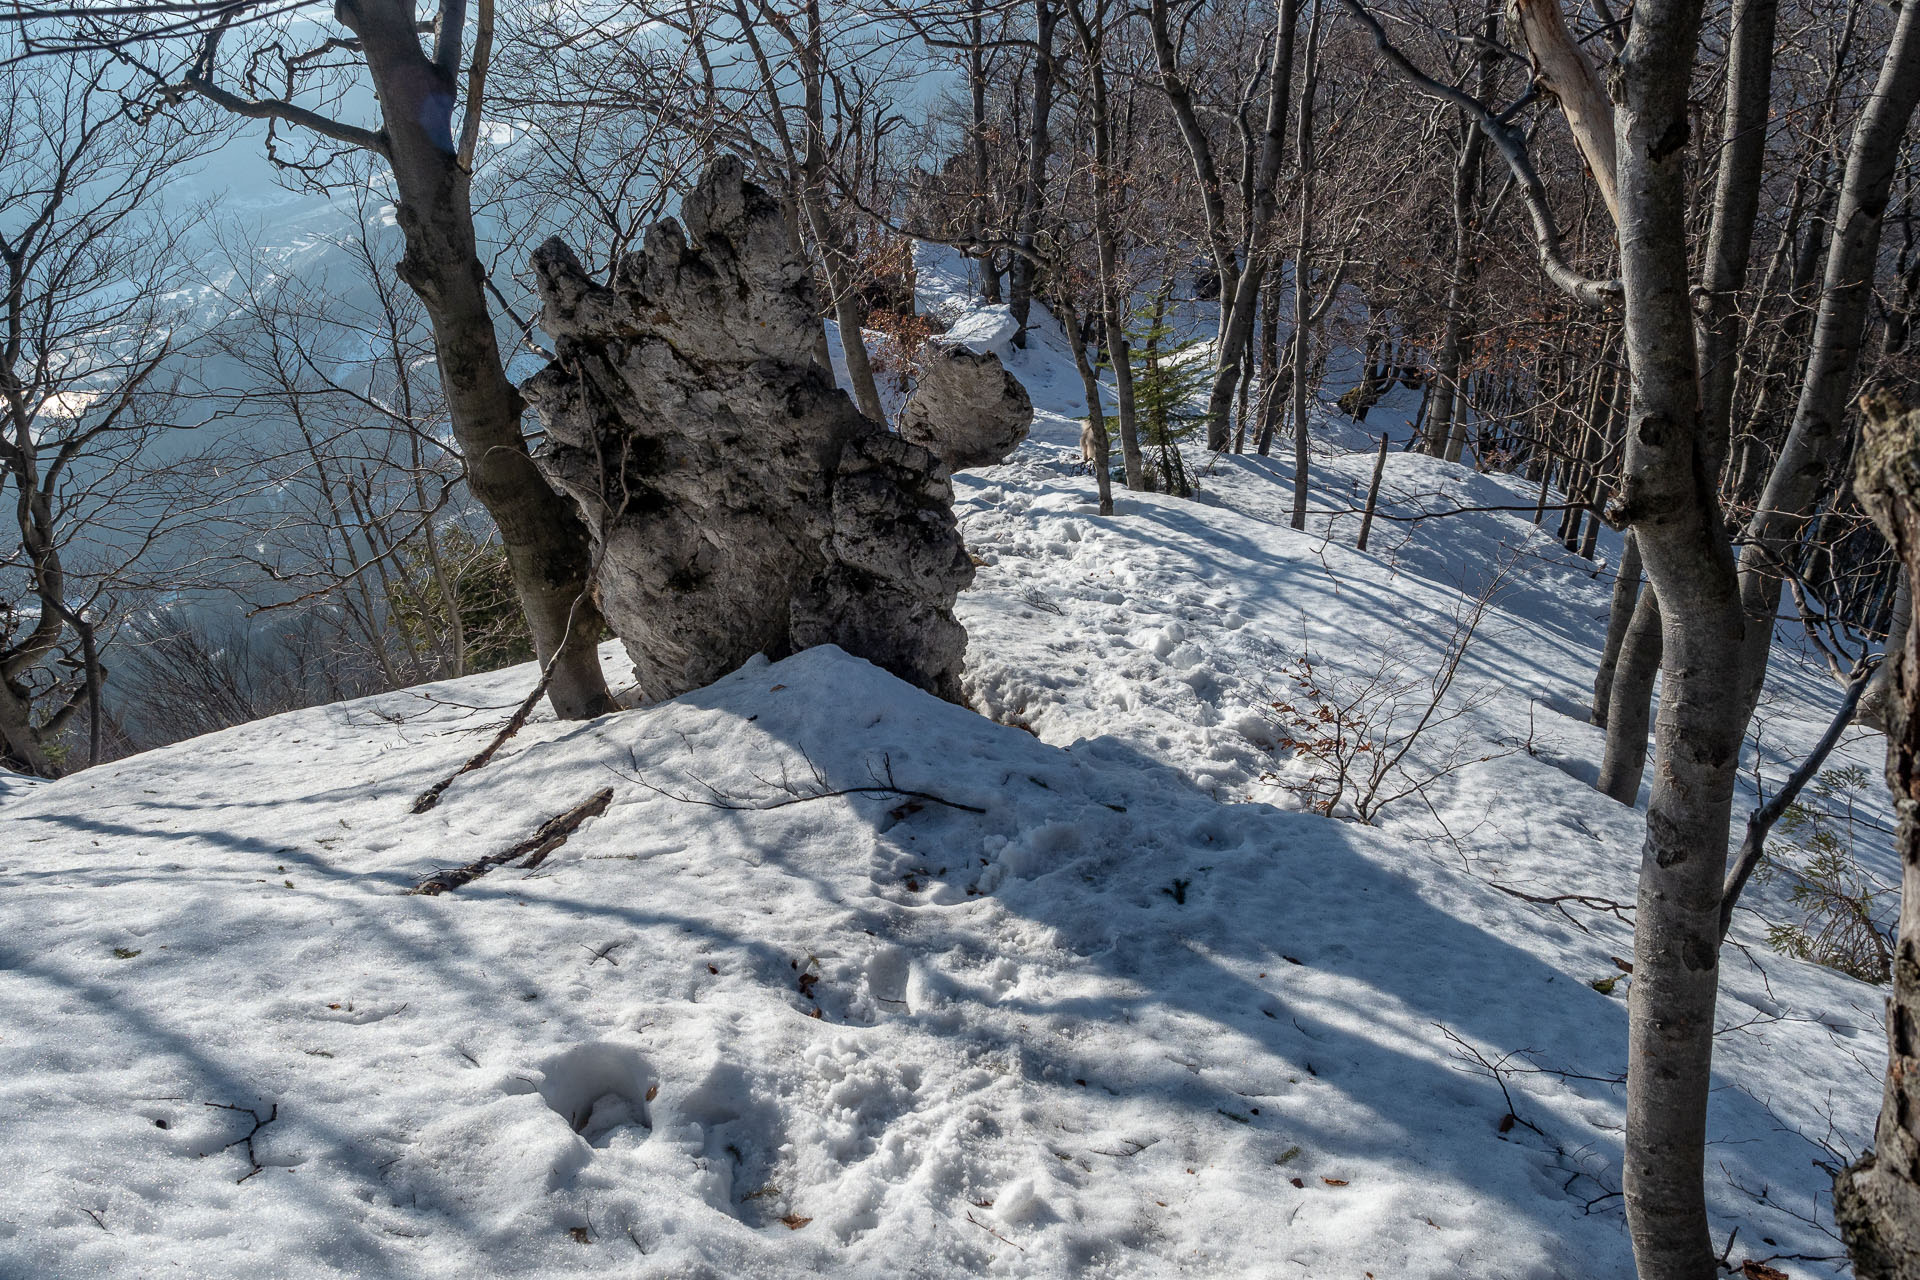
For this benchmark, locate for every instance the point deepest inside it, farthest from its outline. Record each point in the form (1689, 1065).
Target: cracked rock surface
(739, 503)
(966, 408)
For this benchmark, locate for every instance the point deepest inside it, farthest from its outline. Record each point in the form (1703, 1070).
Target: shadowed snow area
(1097, 1001)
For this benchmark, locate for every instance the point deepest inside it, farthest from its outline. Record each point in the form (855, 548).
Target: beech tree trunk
(1630, 702)
(1096, 416)
(1092, 37)
(1669, 496)
(1021, 272)
(1626, 594)
(545, 540)
(1717, 327)
(1818, 436)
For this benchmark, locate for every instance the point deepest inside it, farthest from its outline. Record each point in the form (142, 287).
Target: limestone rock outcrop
(966, 408)
(739, 503)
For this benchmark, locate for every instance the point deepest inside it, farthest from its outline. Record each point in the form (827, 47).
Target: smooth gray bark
(545, 541)
(1818, 436)
(1626, 594)
(1669, 496)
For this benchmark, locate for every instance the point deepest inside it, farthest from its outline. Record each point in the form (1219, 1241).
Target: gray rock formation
(966, 408)
(739, 503)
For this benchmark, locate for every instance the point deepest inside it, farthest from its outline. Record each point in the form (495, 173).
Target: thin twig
(259, 1123)
(990, 1231)
(1558, 902)
(883, 785)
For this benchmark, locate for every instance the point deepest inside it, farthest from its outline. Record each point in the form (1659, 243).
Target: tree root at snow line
(553, 833)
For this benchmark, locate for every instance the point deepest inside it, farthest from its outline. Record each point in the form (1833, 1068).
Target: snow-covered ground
(1069, 988)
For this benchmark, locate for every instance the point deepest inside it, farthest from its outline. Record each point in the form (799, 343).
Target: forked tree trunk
(545, 540)
(1717, 321)
(1816, 441)
(1876, 1201)
(1243, 303)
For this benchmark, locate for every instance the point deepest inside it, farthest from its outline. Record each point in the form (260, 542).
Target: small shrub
(1841, 903)
(495, 630)
(1353, 738)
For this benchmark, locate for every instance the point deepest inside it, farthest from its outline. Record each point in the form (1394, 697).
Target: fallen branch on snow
(1558, 902)
(431, 796)
(259, 1122)
(553, 833)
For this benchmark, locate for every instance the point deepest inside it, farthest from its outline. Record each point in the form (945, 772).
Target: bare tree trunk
(1818, 435)
(1630, 702)
(1669, 497)
(1447, 429)
(1020, 272)
(1096, 416)
(1241, 307)
(1876, 1201)
(545, 541)
(1303, 269)
(1212, 202)
(1272, 371)
(1736, 203)
(1456, 339)
(834, 260)
(1717, 331)
(982, 167)
(1626, 593)
(1092, 37)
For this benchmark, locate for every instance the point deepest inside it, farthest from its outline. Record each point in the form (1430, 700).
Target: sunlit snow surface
(1135, 1018)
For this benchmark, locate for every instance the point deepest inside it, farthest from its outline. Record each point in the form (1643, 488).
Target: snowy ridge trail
(1100, 1001)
